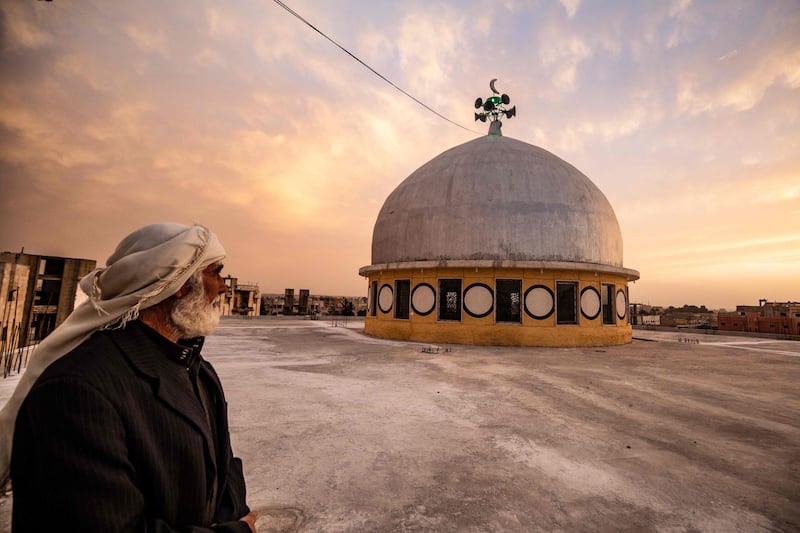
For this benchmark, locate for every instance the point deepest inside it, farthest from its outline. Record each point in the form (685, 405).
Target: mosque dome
(498, 199)
(498, 242)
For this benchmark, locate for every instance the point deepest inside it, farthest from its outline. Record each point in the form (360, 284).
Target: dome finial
(494, 108)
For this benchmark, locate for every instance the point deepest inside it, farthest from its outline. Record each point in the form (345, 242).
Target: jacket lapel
(148, 360)
(221, 415)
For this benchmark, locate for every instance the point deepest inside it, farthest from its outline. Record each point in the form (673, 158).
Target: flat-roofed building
(241, 298)
(38, 294)
(779, 318)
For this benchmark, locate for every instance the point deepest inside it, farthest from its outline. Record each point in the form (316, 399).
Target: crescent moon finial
(491, 86)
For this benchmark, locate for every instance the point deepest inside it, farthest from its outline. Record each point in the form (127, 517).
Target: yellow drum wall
(484, 331)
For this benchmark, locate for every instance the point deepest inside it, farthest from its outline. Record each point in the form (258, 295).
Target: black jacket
(112, 438)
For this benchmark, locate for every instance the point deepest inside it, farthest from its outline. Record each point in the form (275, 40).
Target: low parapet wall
(703, 331)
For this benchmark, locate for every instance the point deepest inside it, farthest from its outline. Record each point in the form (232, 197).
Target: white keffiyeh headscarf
(148, 266)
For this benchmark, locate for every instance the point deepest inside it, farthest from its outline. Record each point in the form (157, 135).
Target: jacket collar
(186, 352)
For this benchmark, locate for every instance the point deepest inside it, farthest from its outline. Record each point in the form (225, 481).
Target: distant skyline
(238, 116)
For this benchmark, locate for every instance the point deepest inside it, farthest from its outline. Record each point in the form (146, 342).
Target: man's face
(213, 284)
(196, 312)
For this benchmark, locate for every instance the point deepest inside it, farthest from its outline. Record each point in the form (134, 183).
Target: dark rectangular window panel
(373, 299)
(508, 300)
(48, 292)
(450, 299)
(566, 302)
(607, 298)
(402, 293)
(54, 267)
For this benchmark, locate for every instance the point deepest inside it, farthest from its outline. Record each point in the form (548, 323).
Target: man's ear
(183, 291)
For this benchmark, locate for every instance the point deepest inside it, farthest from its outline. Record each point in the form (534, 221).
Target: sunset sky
(239, 116)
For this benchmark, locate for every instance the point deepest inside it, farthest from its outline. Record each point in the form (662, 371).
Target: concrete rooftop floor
(342, 432)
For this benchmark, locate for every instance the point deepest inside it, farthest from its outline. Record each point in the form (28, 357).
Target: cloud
(429, 45)
(570, 6)
(561, 59)
(577, 137)
(740, 93)
(729, 55)
(221, 24)
(679, 6)
(742, 74)
(147, 38)
(22, 27)
(780, 248)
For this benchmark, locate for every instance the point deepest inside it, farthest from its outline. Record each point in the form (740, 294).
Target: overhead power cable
(381, 76)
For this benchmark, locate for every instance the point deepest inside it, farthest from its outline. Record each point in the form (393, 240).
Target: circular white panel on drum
(385, 298)
(539, 302)
(622, 305)
(423, 299)
(478, 300)
(590, 302)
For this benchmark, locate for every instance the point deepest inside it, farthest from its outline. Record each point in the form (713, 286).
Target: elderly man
(121, 424)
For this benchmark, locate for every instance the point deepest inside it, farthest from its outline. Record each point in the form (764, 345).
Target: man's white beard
(194, 315)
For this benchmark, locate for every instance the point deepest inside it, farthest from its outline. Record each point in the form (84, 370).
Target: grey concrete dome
(497, 199)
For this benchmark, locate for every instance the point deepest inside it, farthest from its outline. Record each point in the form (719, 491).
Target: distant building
(336, 305)
(288, 302)
(241, 299)
(688, 318)
(289, 305)
(648, 320)
(38, 293)
(780, 318)
(308, 304)
(645, 315)
(302, 306)
(271, 304)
